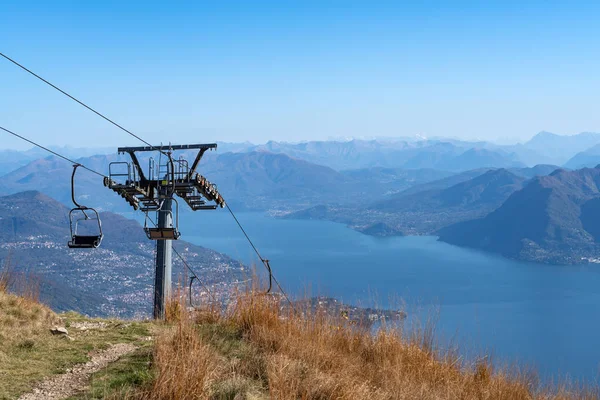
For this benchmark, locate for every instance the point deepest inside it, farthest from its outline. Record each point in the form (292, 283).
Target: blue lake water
(547, 317)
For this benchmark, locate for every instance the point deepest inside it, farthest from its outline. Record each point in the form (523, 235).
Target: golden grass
(29, 352)
(256, 350)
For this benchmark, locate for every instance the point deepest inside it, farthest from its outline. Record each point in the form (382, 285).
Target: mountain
(445, 182)
(424, 211)
(452, 155)
(262, 173)
(263, 180)
(453, 179)
(477, 158)
(10, 160)
(114, 279)
(537, 170)
(387, 181)
(486, 191)
(527, 155)
(560, 148)
(552, 219)
(588, 158)
(254, 180)
(52, 176)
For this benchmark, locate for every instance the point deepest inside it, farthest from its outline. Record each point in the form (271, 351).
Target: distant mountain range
(253, 181)
(380, 187)
(441, 155)
(488, 191)
(442, 206)
(10, 160)
(52, 176)
(554, 218)
(407, 153)
(558, 149)
(424, 209)
(585, 159)
(115, 279)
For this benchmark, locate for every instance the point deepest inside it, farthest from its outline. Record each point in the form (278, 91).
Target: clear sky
(235, 71)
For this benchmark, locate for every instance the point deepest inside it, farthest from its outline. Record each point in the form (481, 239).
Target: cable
(79, 101)
(51, 151)
(195, 275)
(264, 261)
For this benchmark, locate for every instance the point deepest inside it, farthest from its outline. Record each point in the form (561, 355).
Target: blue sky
(234, 71)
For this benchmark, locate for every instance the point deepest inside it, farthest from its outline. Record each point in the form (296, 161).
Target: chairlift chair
(79, 241)
(166, 233)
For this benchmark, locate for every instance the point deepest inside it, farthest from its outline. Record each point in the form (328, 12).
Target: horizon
(300, 72)
(417, 138)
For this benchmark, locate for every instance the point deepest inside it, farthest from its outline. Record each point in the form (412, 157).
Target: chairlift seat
(162, 233)
(85, 242)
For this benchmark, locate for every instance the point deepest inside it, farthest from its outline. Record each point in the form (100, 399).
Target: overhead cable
(263, 260)
(79, 101)
(51, 151)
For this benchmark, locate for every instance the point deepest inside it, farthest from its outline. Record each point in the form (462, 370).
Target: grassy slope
(29, 352)
(251, 351)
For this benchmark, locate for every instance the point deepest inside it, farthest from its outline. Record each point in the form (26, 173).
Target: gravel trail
(76, 379)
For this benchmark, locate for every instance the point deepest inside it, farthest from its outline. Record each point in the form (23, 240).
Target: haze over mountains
(380, 187)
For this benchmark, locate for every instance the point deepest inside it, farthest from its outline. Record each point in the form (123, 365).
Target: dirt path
(76, 379)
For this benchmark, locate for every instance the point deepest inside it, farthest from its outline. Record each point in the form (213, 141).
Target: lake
(543, 316)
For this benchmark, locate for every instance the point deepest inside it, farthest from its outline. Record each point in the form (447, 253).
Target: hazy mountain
(385, 181)
(487, 191)
(254, 180)
(452, 155)
(262, 180)
(560, 148)
(453, 179)
(478, 158)
(115, 279)
(52, 176)
(538, 170)
(587, 158)
(526, 155)
(429, 155)
(339, 155)
(11, 160)
(425, 211)
(425, 208)
(553, 218)
(445, 182)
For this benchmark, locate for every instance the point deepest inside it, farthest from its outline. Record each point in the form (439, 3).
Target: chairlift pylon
(79, 241)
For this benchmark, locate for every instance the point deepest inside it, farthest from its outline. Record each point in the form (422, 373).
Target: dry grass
(21, 316)
(256, 350)
(28, 350)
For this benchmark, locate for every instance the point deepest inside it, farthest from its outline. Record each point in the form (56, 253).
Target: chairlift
(79, 241)
(163, 233)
